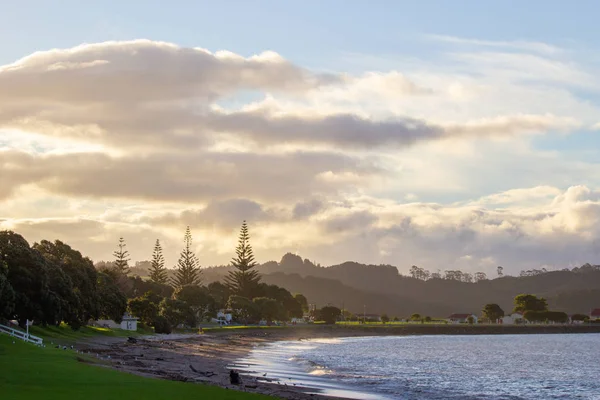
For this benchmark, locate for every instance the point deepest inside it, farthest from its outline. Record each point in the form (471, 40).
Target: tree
(188, 267)
(158, 272)
(479, 276)
(579, 317)
(121, 257)
(302, 300)
(329, 314)
(244, 279)
(83, 295)
(385, 319)
(28, 276)
(219, 293)
(530, 302)
(470, 320)
(284, 297)
(197, 298)
(493, 312)
(243, 308)
(144, 308)
(7, 294)
(177, 312)
(500, 271)
(415, 317)
(112, 303)
(269, 309)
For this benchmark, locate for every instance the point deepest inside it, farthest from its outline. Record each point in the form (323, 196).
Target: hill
(382, 289)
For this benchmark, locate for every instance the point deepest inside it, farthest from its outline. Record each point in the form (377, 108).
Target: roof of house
(460, 316)
(595, 313)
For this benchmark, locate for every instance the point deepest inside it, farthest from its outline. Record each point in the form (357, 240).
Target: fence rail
(21, 335)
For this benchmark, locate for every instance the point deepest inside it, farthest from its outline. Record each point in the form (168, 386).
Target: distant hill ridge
(382, 289)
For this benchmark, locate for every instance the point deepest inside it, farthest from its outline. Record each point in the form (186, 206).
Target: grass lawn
(33, 373)
(64, 333)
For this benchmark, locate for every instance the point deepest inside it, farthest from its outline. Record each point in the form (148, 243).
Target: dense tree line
(50, 283)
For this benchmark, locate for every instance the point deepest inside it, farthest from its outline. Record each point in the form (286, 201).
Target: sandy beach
(203, 358)
(196, 358)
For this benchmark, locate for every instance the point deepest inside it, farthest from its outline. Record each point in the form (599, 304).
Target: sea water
(549, 366)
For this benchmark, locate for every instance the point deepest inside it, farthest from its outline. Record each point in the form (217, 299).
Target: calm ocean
(436, 367)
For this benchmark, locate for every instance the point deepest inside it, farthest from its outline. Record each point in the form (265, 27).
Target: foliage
(7, 294)
(302, 300)
(427, 319)
(112, 303)
(546, 316)
(244, 279)
(220, 294)
(470, 320)
(384, 318)
(292, 309)
(144, 308)
(329, 314)
(78, 285)
(579, 317)
(269, 309)
(177, 312)
(121, 263)
(243, 308)
(28, 276)
(158, 271)
(137, 287)
(188, 267)
(530, 302)
(161, 325)
(197, 298)
(415, 317)
(493, 312)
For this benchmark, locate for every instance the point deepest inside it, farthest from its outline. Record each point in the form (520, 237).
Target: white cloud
(431, 164)
(538, 47)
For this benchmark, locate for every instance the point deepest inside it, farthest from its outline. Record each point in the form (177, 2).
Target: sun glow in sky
(444, 134)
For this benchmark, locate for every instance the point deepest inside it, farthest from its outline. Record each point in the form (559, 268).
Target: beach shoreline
(204, 358)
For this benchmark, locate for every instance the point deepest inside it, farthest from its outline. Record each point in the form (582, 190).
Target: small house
(514, 318)
(461, 318)
(128, 323)
(595, 314)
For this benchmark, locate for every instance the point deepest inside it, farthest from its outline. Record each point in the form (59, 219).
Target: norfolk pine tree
(121, 258)
(244, 280)
(188, 267)
(158, 272)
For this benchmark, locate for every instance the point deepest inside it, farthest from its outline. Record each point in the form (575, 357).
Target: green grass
(33, 373)
(64, 333)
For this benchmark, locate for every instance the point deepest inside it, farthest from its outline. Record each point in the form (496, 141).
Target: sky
(448, 135)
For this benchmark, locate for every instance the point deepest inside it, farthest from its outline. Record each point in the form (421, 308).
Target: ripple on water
(437, 367)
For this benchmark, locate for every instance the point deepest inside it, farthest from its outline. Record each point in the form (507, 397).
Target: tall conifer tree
(158, 272)
(121, 258)
(188, 267)
(244, 280)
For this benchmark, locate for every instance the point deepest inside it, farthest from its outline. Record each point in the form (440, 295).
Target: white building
(514, 318)
(224, 317)
(128, 323)
(461, 318)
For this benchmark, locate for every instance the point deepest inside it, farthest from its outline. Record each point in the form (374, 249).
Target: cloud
(422, 165)
(538, 47)
(182, 178)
